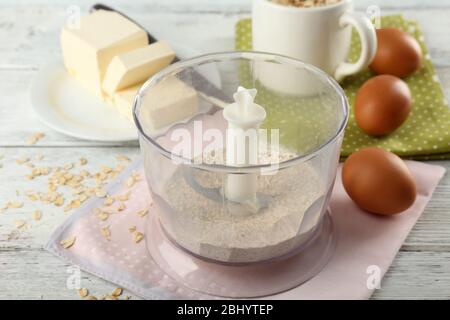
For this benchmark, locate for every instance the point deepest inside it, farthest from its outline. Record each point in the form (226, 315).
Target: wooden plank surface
(29, 38)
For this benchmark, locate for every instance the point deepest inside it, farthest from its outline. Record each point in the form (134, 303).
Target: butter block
(123, 101)
(136, 66)
(88, 49)
(169, 102)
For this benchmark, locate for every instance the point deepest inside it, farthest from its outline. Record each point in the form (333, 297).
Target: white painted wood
(224, 6)
(29, 37)
(46, 277)
(413, 275)
(34, 41)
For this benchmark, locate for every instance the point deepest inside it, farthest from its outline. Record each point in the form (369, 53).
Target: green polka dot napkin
(426, 133)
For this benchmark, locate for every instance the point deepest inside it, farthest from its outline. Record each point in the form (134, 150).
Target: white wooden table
(29, 31)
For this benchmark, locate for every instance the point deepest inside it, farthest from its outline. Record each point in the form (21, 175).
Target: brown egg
(398, 53)
(382, 104)
(378, 181)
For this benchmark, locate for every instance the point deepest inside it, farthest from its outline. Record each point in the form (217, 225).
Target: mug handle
(368, 37)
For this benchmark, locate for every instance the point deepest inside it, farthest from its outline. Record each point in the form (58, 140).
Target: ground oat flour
(207, 226)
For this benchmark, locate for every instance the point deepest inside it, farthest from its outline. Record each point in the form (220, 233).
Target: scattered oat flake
(123, 197)
(109, 297)
(59, 201)
(37, 215)
(100, 193)
(32, 197)
(35, 137)
(136, 176)
(83, 292)
(68, 166)
(121, 207)
(67, 243)
(20, 223)
(91, 298)
(22, 160)
(122, 158)
(74, 204)
(138, 236)
(142, 213)
(78, 191)
(117, 292)
(82, 161)
(14, 204)
(132, 229)
(106, 169)
(130, 182)
(106, 233)
(104, 216)
(108, 201)
(85, 173)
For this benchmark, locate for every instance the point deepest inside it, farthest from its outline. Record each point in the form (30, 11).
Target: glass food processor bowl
(256, 211)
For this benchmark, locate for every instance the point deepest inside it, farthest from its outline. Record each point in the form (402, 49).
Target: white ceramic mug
(320, 35)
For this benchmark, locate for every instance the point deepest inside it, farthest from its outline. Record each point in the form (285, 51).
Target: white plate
(65, 106)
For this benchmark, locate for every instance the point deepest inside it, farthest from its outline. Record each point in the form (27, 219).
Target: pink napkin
(366, 245)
